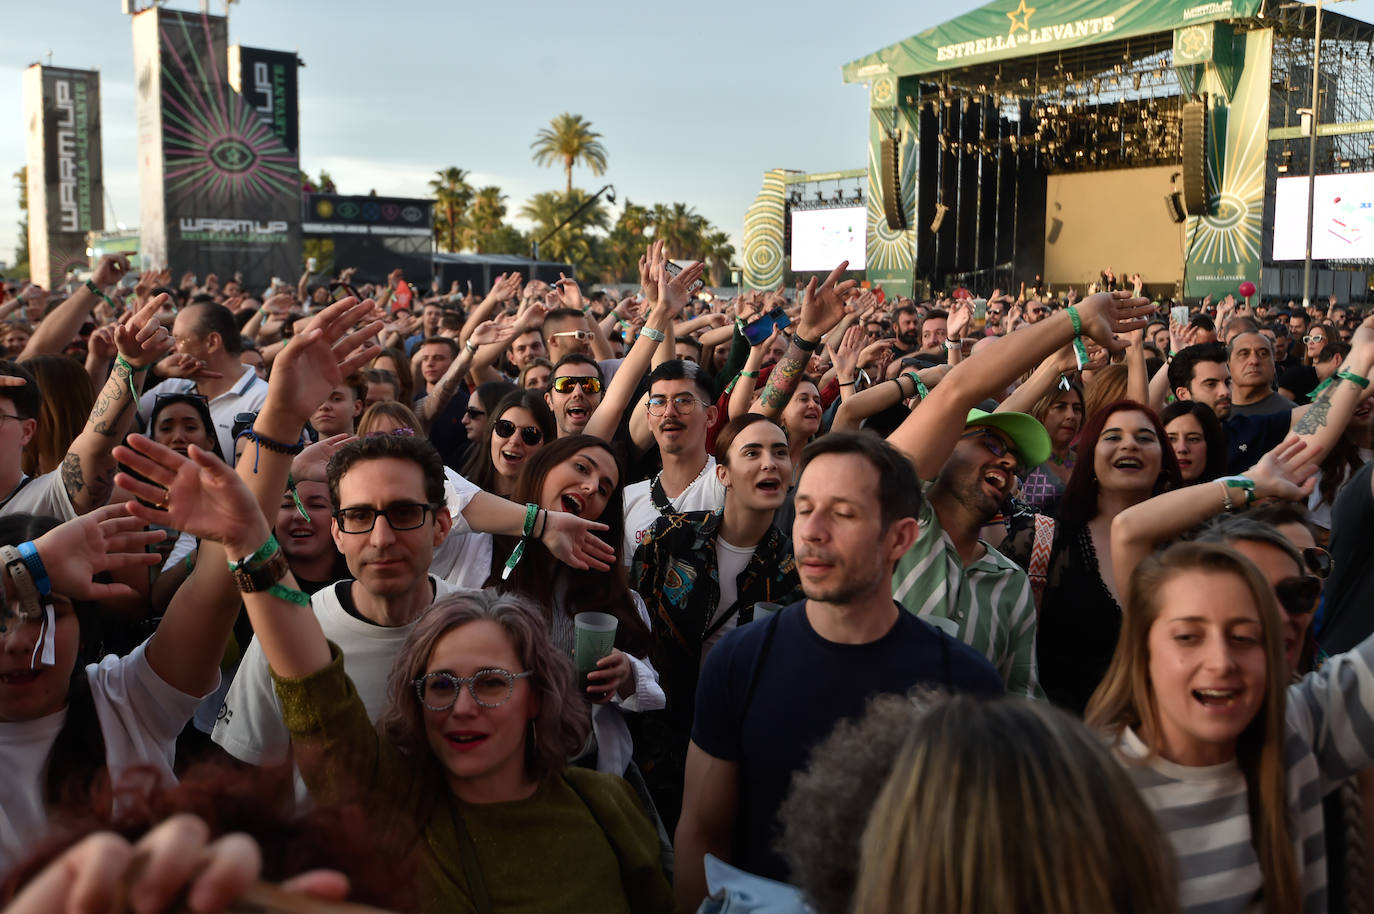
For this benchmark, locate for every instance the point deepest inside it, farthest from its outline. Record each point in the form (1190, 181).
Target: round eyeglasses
(489, 688)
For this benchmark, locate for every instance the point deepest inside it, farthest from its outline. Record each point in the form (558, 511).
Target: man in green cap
(969, 460)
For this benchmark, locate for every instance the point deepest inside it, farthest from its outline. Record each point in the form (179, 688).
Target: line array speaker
(892, 184)
(1197, 197)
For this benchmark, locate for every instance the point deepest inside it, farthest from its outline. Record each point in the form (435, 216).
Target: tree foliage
(452, 197)
(21, 249)
(570, 140)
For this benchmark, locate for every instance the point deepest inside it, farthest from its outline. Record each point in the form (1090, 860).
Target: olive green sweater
(581, 842)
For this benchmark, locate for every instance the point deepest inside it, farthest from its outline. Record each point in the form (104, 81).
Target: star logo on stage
(1023, 13)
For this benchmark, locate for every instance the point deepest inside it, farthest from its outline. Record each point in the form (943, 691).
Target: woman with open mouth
(1123, 461)
(1233, 759)
(517, 426)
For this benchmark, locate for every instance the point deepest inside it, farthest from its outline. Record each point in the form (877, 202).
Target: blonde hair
(1125, 698)
(389, 409)
(1010, 805)
(1108, 385)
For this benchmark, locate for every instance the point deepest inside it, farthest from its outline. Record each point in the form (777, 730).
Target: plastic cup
(593, 638)
(764, 610)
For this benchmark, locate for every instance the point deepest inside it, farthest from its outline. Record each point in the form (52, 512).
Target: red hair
(1080, 494)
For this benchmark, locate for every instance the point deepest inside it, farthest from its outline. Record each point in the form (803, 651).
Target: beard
(909, 338)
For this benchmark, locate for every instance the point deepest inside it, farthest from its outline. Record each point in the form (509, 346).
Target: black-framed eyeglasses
(995, 444)
(1298, 596)
(1318, 561)
(504, 428)
(403, 515)
(683, 403)
(474, 413)
(490, 688)
(564, 384)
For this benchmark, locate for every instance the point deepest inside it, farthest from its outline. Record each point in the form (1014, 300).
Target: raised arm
(822, 308)
(1040, 382)
(672, 298)
(503, 290)
(929, 434)
(485, 334)
(57, 328)
(1324, 419)
(883, 395)
(89, 466)
(1285, 472)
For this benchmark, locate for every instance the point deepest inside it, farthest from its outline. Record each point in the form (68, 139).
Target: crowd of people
(1016, 603)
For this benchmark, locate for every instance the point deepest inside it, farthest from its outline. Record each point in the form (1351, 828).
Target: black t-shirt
(446, 431)
(1301, 380)
(1248, 438)
(1349, 592)
(768, 716)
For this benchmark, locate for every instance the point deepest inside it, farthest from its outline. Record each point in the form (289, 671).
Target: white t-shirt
(730, 564)
(706, 493)
(463, 559)
(250, 727)
(140, 718)
(44, 496)
(246, 396)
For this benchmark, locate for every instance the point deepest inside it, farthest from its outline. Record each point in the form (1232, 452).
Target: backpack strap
(1041, 550)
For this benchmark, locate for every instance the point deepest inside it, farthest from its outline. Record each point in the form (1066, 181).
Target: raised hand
(573, 541)
(142, 339)
(845, 356)
(198, 494)
(570, 291)
(111, 268)
(959, 319)
(650, 268)
(105, 539)
(488, 332)
(101, 346)
(318, 359)
(673, 291)
(181, 365)
(1105, 314)
(311, 462)
(822, 304)
(1288, 472)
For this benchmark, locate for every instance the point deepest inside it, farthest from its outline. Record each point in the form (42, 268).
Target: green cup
(593, 638)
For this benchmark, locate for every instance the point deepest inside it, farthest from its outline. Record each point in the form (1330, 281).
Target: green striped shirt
(986, 604)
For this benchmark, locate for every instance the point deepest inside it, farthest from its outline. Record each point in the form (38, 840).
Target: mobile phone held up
(673, 269)
(762, 328)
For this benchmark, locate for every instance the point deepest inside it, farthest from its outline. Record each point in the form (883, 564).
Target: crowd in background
(979, 602)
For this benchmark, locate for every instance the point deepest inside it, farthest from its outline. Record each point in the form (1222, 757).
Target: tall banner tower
(65, 191)
(219, 183)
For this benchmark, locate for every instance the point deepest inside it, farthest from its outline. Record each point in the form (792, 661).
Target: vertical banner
(267, 81)
(65, 189)
(1224, 248)
(764, 226)
(230, 187)
(891, 252)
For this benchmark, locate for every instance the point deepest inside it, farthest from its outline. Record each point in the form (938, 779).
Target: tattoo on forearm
(72, 478)
(782, 380)
(112, 395)
(1317, 415)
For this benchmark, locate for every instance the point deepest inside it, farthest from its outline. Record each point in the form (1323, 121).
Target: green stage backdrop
(1014, 28)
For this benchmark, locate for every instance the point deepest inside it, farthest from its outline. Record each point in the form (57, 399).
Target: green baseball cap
(1027, 435)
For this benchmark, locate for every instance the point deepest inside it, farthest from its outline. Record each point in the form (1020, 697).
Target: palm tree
(484, 217)
(568, 140)
(452, 196)
(572, 243)
(624, 245)
(680, 228)
(717, 252)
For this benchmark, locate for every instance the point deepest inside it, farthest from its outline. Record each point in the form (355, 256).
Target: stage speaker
(939, 220)
(892, 184)
(1174, 204)
(1197, 199)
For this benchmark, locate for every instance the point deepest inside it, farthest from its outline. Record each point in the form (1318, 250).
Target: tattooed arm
(89, 467)
(822, 307)
(1323, 421)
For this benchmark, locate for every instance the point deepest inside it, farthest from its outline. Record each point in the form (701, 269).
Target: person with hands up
(479, 721)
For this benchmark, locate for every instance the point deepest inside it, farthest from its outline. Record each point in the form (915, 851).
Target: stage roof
(1005, 29)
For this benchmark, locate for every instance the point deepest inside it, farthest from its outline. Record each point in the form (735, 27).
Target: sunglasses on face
(564, 384)
(405, 515)
(1318, 561)
(504, 428)
(1298, 596)
(581, 336)
(1313, 338)
(473, 412)
(995, 445)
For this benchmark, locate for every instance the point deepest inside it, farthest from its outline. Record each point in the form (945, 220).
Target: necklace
(1067, 462)
(658, 480)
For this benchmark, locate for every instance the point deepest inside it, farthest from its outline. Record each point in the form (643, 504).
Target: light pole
(1314, 122)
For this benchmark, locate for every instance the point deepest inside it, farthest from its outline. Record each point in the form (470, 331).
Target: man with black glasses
(680, 409)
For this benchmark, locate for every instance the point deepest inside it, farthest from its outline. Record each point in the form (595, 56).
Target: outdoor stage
(1073, 136)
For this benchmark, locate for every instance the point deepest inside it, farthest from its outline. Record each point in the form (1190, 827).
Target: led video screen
(821, 238)
(1342, 218)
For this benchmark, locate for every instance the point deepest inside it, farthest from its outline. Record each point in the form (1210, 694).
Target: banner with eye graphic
(220, 186)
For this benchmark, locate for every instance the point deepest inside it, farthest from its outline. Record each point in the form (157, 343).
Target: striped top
(986, 604)
(1203, 810)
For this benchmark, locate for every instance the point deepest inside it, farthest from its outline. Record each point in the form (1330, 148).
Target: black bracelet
(291, 450)
(804, 344)
(846, 383)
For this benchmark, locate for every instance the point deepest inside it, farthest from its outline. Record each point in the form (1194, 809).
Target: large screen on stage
(821, 238)
(1342, 218)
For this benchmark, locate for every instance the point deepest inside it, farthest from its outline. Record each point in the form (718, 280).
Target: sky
(693, 105)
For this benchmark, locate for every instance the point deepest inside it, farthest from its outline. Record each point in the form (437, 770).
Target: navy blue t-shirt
(1248, 438)
(805, 686)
